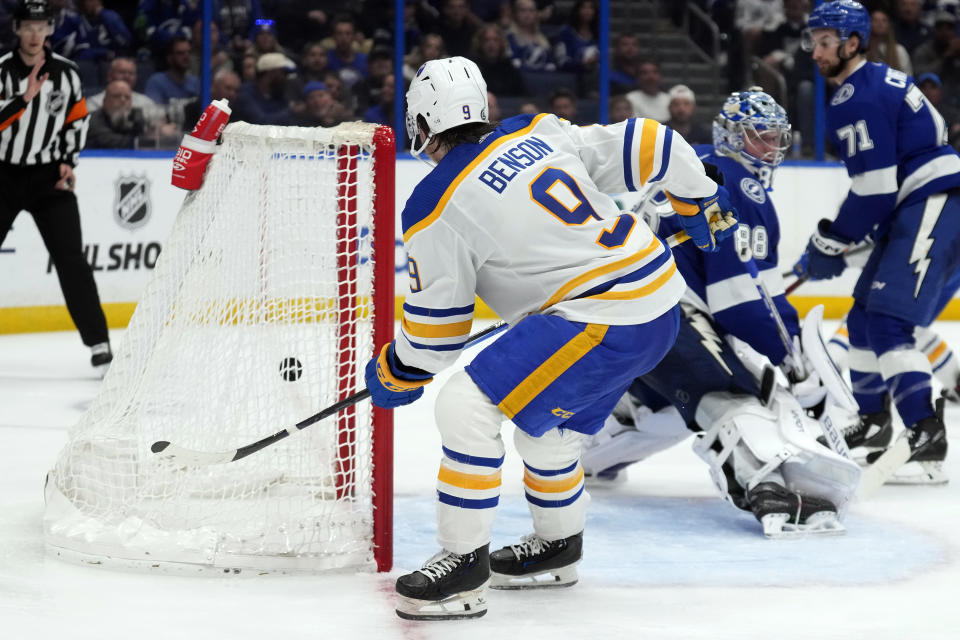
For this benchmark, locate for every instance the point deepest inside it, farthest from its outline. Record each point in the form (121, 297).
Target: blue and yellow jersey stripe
(439, 329)
(646, 153)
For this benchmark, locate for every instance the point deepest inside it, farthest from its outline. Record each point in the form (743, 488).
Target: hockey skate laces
(440, 565)
(529, 545)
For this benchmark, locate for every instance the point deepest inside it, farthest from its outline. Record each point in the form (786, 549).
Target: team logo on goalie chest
(132, 201)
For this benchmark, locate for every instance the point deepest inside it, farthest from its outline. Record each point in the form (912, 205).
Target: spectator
(340, 92)
(529, 108)
(751, 19)
(344, 57)
(430, 48)
(620, 109)
(563, 103)
(491, 55)
(649, 101)
(94, 33)
(455, 28)
(577, 47)
(321, 109)
(883, 45)
(932, 88)
(300, 22)
(379, 66)
(118, 124)
(382, 112)
(941, 55)
(910, 30)
(493, 108)
(248, 68)
(529, 48)
(160, 21)
(175, 83)
(683, 106)
(313, 65)
(219, 59)
(125, 69)
(236, 19)
(624, 64)
(264, 40)
(778, 47)
(223, 86)
(264, 100)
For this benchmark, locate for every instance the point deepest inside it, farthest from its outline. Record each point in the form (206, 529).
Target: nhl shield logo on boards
(132, 201)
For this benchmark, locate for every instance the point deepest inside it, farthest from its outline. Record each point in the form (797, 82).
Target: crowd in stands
(322, 62)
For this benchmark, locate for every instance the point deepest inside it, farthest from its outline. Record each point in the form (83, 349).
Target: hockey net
(270, 295)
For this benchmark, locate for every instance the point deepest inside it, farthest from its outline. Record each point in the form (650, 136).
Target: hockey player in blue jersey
(906, 194)
(517, 213)
(754, 441)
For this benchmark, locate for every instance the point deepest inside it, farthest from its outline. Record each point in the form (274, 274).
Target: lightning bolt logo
(924, 240)
(711, 341)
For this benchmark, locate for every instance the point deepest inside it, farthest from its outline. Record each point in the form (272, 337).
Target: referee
(43, 126)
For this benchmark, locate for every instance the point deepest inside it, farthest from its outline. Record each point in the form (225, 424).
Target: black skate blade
(434, 617)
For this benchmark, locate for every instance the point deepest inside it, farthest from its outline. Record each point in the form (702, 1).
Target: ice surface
(664, 557)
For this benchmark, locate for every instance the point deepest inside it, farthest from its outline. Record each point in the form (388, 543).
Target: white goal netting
(260, 313)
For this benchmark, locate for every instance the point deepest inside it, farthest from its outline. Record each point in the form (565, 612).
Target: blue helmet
(753, 128)
(846, 16)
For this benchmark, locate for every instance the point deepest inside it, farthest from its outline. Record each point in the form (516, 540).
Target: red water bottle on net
(199, 145)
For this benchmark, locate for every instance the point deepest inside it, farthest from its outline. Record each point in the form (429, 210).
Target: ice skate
(872, 433)
(536, 563)
(101, 357)
(784, 514)
(928, 449)
(449, 586)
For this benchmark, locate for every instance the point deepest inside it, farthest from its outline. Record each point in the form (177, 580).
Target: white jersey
(523, 221)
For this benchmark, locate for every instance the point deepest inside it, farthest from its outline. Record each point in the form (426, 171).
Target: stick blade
(883, 468)
(189, 457)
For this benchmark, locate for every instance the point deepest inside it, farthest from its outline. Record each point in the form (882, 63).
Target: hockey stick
(191, 457)
(834, 437)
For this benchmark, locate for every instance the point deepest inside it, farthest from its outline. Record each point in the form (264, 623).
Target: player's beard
(834, 70)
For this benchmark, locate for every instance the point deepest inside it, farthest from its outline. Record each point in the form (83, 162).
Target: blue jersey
(720, 282)
(894, 145)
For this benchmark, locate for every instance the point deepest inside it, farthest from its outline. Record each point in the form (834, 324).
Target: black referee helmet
(32, 10)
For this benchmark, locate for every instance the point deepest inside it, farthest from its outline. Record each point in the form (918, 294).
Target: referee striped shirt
(51, 128)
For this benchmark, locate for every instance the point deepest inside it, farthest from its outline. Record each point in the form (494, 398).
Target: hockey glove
(390, 386)
(805, 383)
(708, 220)
(823, 258)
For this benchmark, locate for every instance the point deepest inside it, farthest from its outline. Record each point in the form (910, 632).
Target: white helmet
(448, 93)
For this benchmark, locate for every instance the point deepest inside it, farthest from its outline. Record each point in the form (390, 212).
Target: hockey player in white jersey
(760, 444)
(905, 193)
(518, 214)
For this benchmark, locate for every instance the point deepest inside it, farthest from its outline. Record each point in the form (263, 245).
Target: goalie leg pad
(747, 445)
(618, 445)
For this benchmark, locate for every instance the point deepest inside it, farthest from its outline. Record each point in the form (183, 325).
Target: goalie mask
(446, 93)
(753, 129)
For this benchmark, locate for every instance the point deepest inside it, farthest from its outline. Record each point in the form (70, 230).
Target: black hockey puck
(291, 369)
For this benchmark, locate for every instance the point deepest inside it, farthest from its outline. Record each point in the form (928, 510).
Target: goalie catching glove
(391, 383)
(708, 220)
